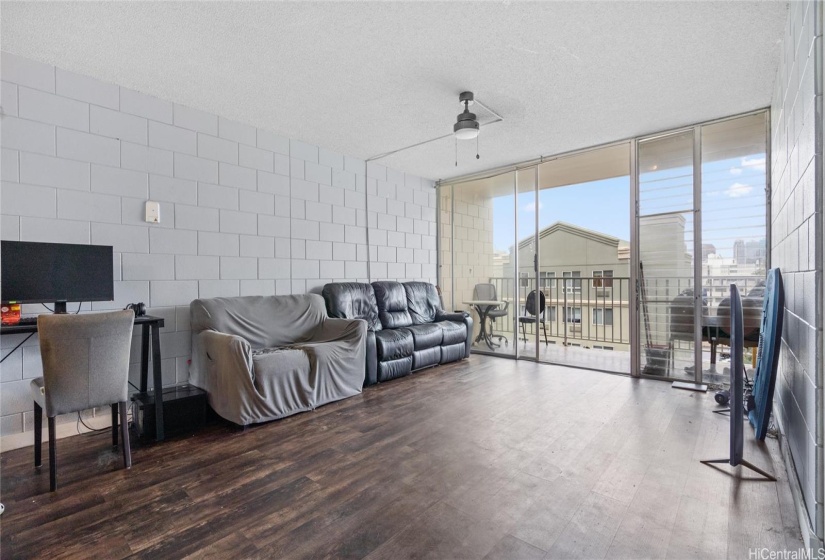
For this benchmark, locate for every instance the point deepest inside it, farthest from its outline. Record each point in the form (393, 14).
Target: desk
(150, 328)
(483, 308)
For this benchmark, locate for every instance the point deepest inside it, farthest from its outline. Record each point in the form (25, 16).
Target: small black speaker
(139, 308)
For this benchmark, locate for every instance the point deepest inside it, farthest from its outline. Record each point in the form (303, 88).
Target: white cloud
(757, 163)
(735, 170)
(531, 206)
(737, 190)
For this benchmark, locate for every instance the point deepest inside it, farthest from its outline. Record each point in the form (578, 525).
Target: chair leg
(52, 445)
(38, 434)
(114, 425)
(544, 329)
(524, 335)
(124, 430)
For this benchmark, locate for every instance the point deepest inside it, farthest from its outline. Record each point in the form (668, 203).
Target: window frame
(603, 278)
(571, 286)
(602, 313)
(572, 309)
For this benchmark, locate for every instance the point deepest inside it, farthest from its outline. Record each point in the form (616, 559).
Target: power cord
(15, 348)
(89, 428)
(32, 334)
(91, 431)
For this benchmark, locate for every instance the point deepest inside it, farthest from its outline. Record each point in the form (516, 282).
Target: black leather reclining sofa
(407, 328)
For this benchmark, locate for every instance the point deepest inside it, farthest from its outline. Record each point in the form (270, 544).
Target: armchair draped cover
(260, 358)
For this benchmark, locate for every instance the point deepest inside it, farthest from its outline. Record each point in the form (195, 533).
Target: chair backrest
(530, 306)
(352, 300)
(423, 302)
(392, 304)
(485, 292)
(263, 321)
(681, 313)
(85, 359)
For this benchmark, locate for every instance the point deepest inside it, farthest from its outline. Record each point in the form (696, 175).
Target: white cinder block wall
(243, 210)
(796, 248)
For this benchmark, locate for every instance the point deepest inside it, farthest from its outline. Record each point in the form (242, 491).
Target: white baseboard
(63, 429)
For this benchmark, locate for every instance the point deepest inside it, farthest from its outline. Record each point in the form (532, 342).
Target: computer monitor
(55, 273)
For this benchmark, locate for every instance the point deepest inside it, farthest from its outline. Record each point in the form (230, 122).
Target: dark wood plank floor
(487, 458)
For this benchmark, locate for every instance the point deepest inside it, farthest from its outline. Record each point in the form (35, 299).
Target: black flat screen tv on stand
(737, 391)
(55, 273)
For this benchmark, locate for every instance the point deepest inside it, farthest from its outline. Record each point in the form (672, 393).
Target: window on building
(547, 280)
(572, 314)
(602, 278)
(573, 282)
(551, 313)
(602, 316)
(602, 348)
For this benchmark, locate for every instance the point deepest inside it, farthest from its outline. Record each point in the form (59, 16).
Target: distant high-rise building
(749, 252)
(708, 249)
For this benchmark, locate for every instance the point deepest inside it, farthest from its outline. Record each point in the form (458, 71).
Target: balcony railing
(582, 311)
(595, 311)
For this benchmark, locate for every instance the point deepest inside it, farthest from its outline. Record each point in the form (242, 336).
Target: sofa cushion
(395, 368)
(426, 336)
(453, 353)
(427, 357)
(423, 302)
(352, 300)
(393, 344)
(453, 332)
(392, 305)
(285, 376)
(279, 361)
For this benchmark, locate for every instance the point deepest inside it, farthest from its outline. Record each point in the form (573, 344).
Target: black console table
(150, 328)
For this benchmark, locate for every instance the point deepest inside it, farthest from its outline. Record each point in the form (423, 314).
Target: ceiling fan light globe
(466, 130)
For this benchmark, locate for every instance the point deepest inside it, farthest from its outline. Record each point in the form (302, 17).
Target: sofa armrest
(340, 329)
(222, 366)
(458, 316)
(355, 330)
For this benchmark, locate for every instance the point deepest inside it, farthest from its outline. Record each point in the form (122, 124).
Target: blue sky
(733, 204)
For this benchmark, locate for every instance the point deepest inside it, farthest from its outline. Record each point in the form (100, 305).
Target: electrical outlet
(152, 212)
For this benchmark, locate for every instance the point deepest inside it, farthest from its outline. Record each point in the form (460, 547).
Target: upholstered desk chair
(85, 365)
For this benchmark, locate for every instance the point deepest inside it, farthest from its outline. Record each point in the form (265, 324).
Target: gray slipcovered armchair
(261, 358)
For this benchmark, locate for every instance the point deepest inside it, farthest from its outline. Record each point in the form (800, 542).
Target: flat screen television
(737, 374)
(55, 273)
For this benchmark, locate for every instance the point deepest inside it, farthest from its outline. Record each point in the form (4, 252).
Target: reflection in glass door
(734, 234)
(702, 226)
(478, 233)
(670, 311)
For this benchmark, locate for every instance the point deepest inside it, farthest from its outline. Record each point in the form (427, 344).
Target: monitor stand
(60, 307)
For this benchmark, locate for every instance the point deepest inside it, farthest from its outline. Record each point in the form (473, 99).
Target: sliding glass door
(617, 258)
(583, 240)
(531, 301)
(670, 321)
(702, 226)
(476, 250)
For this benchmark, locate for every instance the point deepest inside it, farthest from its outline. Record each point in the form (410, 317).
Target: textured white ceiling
(367, 78)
